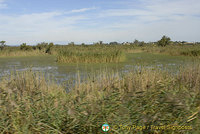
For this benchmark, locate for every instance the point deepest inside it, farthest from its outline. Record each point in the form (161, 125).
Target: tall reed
(31, 104)
(90, 56)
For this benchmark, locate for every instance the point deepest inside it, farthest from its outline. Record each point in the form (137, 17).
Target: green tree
(48, 50)
(142, 43)
(25, 47)
(136, 42)
(164, 41)
(71, 44)
(100, 42)
(2, 44)
(42, 45)
(114, 43)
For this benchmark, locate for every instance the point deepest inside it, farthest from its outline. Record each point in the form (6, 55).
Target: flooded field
(65, 71)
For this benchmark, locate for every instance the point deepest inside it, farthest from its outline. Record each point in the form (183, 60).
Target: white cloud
(123, 12)
(82, 10)
(151, 19)
(32, 28)
(157, 8)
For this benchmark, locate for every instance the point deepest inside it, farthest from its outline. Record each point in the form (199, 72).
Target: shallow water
(64, 72)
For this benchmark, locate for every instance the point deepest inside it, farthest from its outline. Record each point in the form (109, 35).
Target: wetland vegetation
(88, 55)
(32, 104)
(143, 84)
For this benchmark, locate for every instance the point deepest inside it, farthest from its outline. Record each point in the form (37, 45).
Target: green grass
(29, 103)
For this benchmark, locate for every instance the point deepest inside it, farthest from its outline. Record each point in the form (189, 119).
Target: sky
(88, 21)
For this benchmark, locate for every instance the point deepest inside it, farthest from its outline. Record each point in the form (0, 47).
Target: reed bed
(174, 50)
(102, 53)
(29, 103)
(18, 53)
(90, 56)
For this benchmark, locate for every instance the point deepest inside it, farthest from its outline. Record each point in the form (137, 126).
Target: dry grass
(17, 53)
(31, 104)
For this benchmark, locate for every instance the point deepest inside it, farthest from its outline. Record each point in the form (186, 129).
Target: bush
(2, 46)
(191, 53)
(71, 44)
(48, 49)
(164, 41)
(42, 45)
(25, 47)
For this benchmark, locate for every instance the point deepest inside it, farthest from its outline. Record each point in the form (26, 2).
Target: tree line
(164, 41)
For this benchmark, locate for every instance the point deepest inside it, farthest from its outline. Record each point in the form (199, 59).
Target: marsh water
(64, 72)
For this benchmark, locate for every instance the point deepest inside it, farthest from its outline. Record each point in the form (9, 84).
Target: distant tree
(100, 42)
(42, 45)
(96, 43)
(114, 43)
(48, 50)
(82, 44)
(164, 41)
(51, 44)
(136, 42)
(71, 44)
(2, 44)
(183, 42)
(142, 43)
(34, 47)
(25, 47)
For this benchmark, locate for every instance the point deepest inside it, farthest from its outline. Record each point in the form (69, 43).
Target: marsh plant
(113, 52)
(30, 103)
(90, 56)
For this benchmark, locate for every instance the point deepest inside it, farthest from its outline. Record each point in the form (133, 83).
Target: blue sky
(63, 21)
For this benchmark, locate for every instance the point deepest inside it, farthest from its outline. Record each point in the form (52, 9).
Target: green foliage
(2, 44)
(42, 45)
(191, 53)
(164, 41)
(71, 44)
(49, 47)
(25, 47)
(45, 47)
(82, 44)
(136, 42)
(100, 42)
(114, 43)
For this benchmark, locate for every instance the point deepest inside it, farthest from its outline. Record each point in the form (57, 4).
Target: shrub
(164, 41)
(48, 49)
(2, 44)
(42, 45)
(25, 47)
